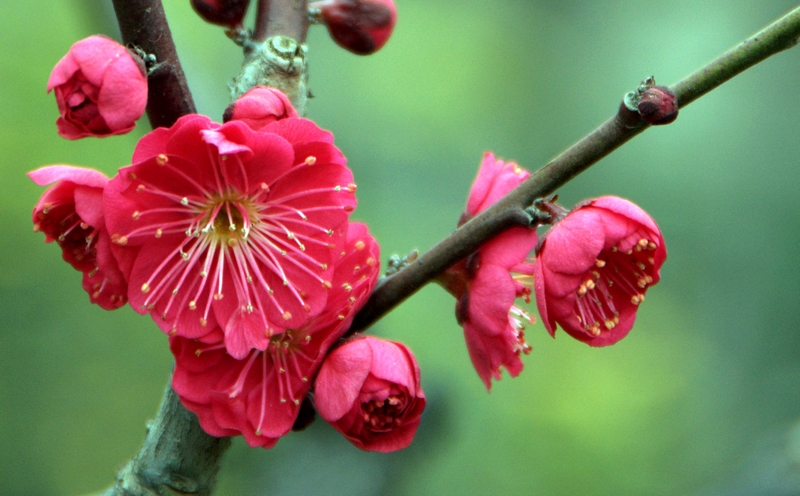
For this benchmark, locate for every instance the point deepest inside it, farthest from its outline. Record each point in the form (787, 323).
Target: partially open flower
(228, 13)
(222, 226)
(360, 26)
(259, 107)
(100, 88)
(71, 214)
(261, 395)
(369, 390)
(488, 281)
(594, 267)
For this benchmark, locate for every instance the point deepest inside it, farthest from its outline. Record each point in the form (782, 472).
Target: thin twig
(612, 134)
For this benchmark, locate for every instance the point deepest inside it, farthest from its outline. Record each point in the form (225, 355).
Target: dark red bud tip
(228, 13)
(359, 26)
(658, 105)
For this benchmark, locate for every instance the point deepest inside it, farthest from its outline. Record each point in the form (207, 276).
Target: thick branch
(778, 36)
(144, 25)
(177, 457)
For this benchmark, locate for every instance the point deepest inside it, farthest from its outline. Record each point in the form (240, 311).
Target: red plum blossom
(488, 281)
(261, 395)
(369, 390)
(594, 267)
(100, 89)
(220, 226)
(359, 26)
(71, 214)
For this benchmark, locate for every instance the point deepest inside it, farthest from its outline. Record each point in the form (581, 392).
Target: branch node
(278, 62)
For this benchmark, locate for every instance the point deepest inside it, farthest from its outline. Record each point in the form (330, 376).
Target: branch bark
(144, 25)
(612, 134)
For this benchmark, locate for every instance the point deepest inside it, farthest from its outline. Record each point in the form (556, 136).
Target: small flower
(359, 26)
(259, 107)
(222, 226)
(71, 214)
(369, 390)
(594, 267)
(227, 13)
(100, 88)
(261, 395)
(488, 281)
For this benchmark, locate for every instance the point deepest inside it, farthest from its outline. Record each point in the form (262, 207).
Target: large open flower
(594, 267)
(222, 226)
(488, 281)
(260, 395)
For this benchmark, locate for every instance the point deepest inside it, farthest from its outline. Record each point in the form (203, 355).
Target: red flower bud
(259, 107)
(369, 390)
(359, 26)
(658, 105)
(100, 88)
(228, 13)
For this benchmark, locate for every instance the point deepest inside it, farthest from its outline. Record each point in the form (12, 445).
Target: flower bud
(658, 105)
(369, 390)
(227, 13)
(259, 107)
(359, 26)
(100, 88)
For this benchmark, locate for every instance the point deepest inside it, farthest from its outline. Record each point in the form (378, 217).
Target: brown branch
(612, 134)
(281, 17)
(144, 25)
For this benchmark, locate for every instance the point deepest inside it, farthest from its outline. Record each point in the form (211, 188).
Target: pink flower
(259, 107)
(488, 281)
(71, 213)
(369, 390)
(260, 395)
(359, 26)
(594, 267)
(221, 226)
(100, 88)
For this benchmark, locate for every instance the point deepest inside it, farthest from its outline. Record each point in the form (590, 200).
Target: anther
(140, 188)
(132, 176)
(599, 263)
(203, 322)
(311, 160)
(184, 201)
(159, 232)
(360, 245)
(351, 188)
(218, 296)
(162, 159)
(192, 305)
(145, 288)
(120, 240)
(287, 315)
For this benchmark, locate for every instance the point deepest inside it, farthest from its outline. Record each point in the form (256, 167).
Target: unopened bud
(260, 107)
(228, 13)
(658, 105)
(359, 26)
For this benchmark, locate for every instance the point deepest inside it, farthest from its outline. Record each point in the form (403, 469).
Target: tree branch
(281, 17)
(612, 134)
(144, 25)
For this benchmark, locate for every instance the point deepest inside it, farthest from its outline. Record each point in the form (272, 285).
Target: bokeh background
(700, 399)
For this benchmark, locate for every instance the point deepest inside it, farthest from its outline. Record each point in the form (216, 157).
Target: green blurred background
(701, 398)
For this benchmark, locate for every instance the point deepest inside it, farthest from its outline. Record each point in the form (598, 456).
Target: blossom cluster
(236, 239)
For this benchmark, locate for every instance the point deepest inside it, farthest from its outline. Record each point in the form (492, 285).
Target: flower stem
(612, 134)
